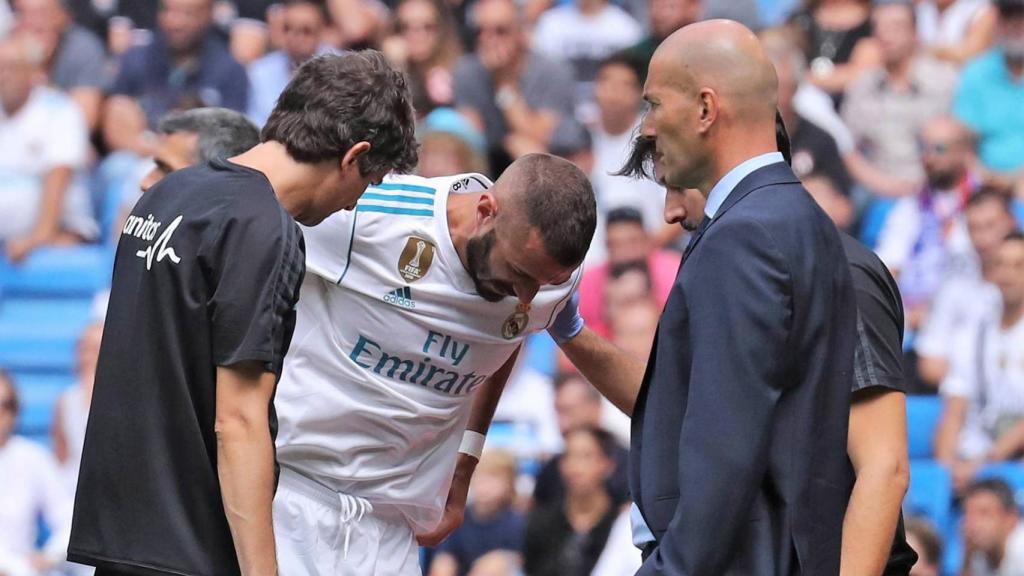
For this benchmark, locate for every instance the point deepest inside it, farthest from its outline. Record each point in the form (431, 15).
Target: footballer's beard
(478, 252)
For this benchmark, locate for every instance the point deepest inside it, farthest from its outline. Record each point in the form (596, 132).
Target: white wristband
(472, 443)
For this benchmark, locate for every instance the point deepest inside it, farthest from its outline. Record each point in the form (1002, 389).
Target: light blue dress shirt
(642, 534)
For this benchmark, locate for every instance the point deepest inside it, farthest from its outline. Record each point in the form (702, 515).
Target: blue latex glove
(568, 323)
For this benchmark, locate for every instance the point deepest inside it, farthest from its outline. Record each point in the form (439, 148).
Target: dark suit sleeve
(740, 312)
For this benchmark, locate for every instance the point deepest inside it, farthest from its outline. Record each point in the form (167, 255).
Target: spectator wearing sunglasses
(924, 239)
(515, 96)
(304, 23)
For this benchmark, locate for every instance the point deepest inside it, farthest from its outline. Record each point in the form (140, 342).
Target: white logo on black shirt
(160, 249)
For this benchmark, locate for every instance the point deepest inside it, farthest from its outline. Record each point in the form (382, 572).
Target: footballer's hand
(455, 507)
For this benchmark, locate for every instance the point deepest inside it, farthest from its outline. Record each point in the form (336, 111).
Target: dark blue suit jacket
(739, 461)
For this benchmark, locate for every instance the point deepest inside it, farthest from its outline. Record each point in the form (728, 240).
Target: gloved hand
(568, 323)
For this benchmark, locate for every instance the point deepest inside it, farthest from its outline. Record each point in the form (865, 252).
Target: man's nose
(526, 291)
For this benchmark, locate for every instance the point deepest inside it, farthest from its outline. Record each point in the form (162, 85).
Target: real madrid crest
(416, 258)
(516, 322)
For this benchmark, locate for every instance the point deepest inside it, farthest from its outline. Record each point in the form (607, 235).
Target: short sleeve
(878, 357)
(257, 269)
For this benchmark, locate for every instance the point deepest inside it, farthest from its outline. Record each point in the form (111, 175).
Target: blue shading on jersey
(405, 188)
(393, 210)
(398, 198)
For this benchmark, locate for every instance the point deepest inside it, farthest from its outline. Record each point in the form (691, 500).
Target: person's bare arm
(616, 374)
(245, 463)
(89, 101)
(1008, 445)
(485, 402)
(979, 38)
(953, 415)
(865, 55)
(877, 446)
(47, 226)
(58, 436)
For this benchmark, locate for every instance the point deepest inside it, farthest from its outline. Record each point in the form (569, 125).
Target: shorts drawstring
(352, 511)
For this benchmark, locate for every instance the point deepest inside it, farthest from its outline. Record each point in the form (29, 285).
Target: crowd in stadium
(907, 126)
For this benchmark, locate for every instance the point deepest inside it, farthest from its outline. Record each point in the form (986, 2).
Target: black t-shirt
(207, 274)
(814, 151)
(878, 359)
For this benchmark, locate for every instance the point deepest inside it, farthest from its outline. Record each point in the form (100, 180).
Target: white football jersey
(390, 342)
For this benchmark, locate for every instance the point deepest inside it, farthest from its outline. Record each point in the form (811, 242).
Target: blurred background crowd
(907, 120)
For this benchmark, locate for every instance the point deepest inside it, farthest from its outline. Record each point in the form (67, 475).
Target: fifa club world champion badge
(416, 259)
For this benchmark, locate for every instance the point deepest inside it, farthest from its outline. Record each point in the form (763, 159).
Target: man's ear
(708, 102)
(351, 157)
(486, 210)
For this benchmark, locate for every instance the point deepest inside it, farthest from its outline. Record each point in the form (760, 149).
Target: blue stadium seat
(1018, 211)
(930, 494)
(39, 394)
(923, 414)
(40, 334)
(874, 220)
(73, 271)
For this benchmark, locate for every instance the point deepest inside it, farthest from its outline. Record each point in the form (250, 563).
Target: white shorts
(320, 532)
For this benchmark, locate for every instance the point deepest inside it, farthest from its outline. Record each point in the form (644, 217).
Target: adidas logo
(400, 297)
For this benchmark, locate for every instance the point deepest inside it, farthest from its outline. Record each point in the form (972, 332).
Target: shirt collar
(733, 177)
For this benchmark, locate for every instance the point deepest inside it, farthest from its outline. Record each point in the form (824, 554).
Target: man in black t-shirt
(178, 469)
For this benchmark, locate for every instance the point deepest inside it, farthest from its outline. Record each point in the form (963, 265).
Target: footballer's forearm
(616, 374)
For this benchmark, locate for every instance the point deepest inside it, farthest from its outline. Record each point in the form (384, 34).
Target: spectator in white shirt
(29, 485)
(983, 417)
(992, 531)
(72, 411)
(585, 32)
(43, 140)
(963, 297)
